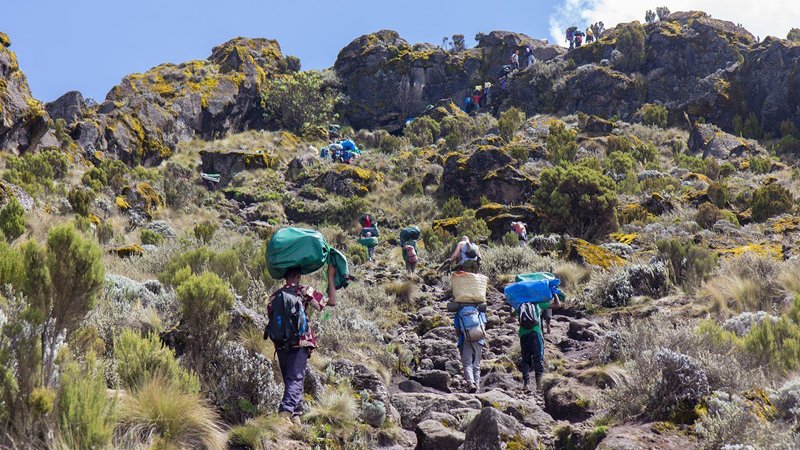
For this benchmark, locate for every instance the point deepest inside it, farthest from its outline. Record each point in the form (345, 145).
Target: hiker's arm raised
(455, 253)
(331, 286)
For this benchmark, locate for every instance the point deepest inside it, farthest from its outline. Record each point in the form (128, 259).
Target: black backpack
(527, 316)
(471, 251)
(287, 319)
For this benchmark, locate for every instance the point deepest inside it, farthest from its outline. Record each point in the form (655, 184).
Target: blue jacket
(457, 325)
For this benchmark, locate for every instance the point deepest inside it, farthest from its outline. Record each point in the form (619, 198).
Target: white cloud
(762, 18)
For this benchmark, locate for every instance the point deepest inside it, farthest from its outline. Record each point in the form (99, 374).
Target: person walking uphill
(515, 60)
(470, 325)
(531, 341)
(290, 329)
(468, 256)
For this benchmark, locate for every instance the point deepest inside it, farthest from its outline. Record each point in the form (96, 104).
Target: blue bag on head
(537, 291)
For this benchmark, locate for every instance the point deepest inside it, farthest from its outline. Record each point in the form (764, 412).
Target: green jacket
(538, 308)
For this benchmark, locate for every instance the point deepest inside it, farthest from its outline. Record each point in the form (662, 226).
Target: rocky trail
(431, 399)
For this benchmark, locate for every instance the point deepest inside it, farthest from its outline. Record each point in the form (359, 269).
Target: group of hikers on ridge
(294, 252)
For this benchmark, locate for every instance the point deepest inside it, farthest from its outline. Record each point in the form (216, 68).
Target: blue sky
(89, 45)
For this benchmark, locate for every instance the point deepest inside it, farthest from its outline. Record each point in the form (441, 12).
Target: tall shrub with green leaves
(654, 115)
(140, 359)
(771, 200)
(630, 43)
(509, 122)
(300, 100)
(81, 200)
(86, 412)
(422, 131)
(577, 200)
(205, 304)
(12, 220)
(562, 144)
(689, 264)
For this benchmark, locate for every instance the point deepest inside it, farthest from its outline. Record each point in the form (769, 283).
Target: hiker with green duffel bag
(292, 253)
(408, 245)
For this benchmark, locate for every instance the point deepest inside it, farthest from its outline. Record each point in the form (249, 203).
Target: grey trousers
(471, 359)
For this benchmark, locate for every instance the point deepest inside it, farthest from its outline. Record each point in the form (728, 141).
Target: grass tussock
(337, 408)
(161, 415)
(258, 431)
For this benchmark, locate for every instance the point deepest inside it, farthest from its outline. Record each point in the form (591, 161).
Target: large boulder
(414, 408)
(148, 114)
(228, 164)
(347, 181)
(499, 218)
(487, 172)
(24, 123)
(433, 435)
(243, 377)
(492, 430)
(389, 80)
(708, 141)
(70, 107)
(362, 378)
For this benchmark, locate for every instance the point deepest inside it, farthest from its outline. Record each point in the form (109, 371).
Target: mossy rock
(150, 197)
(449, 225)
(785, 224)
(582, 252)
(774, 251)
(127, 251)
(634, 212)
(624, 238)
(5, 41)
(122, 203)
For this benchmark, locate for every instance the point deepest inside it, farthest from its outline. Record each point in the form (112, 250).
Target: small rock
(436, 379)
(411, 386)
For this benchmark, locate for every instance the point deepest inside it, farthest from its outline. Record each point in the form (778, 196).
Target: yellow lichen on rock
(767, 250)
(127, 251)
(786, 224)
(624, 238)
(583, 252)
(122, 203)
(151, 198)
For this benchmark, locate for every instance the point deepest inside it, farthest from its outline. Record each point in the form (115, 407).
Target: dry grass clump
(573, 276)
(161, 415)
(256, 432)
(749, 283)
(403, 290)
(336, 408)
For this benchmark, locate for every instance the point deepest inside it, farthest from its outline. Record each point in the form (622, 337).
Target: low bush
(760, 165)
(509, 122)
(86, 412)
(502, 261)
(707, 215)
(771, 200)
(35, 171)
(140, 359)
(12, 220)
(577, 200)
(81, 200)
(562, 144)
(412, 186)
(204, 231)
(205, 301)
(300, 100)
(150, 237)
(689, 264)
(654, 115)
(422, 131)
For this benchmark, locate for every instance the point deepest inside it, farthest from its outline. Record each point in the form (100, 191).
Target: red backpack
(411, 254)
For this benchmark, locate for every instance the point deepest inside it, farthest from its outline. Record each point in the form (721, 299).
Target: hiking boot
(285, 415)
(539, 384)
(296, 421)
(472, 388)
(525, 388)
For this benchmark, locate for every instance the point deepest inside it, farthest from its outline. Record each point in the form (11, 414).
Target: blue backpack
(287, 319)
(471, 324)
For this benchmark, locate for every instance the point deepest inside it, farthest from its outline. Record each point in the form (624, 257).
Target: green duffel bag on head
(305, 249)
(371, 241)
(409, 234)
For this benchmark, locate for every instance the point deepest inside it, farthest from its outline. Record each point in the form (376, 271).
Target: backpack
(471, 325)
(287, 319)
(470, 251)
(527, 315)
(411, 254)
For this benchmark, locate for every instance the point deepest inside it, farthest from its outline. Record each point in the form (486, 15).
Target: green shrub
(577, 200)
(422, 131)
(455, 130)
(104, 232)
(726, 170)
(749, 128)
(654, 115)
(453, 207)
(86, 412)
(471, 226)
(349, 211)
(140, 359)
(510, 239)
(719, 194)
(509, 122)
(236, 265)
(412, 186)
(204, 231)
(179, 190)
(771, 200)
(12, 220)
(36, 171)
(562, 144)
(761, 166)
(641, 151)
(150, 237)
(707, 215)
(689, 264)
(619, 163)
(789, 145)
(630, 43)
(391, 144)
(81, 200)
(300, 100)
(205, 301)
